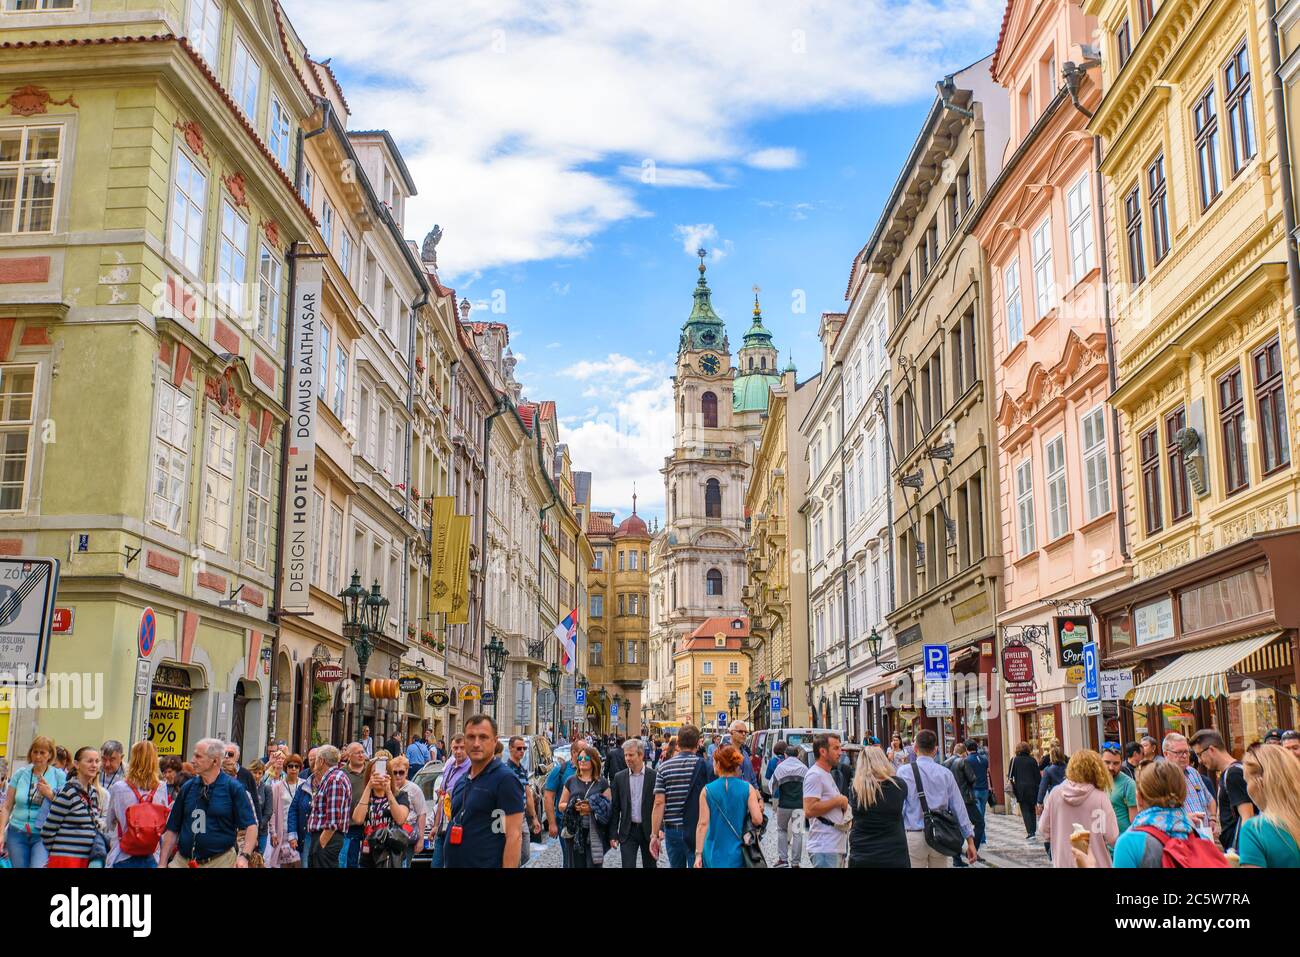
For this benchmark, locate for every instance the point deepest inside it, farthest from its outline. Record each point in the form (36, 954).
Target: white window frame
(258, 477)
(308, 185)
(245, 79)
(14, 426)
(175, 474)
(340, 394)
(232, 257)
(1012, 299)
(1058, 499)
(733, 667)
(1025, 531)
(1040, 244)
(323, 391)
(1078, 208)
(22, 169)
(707, 668)
(186, 213)
(346, 246)
(707, 697)
(278, 130)
(270, 276)
(1096, 461)
(327, 223)
(219, 485)
(317, 535)
(204, 29)
(42, 6)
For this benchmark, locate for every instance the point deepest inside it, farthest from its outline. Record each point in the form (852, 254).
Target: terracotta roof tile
(526, 415)
(1002, 35)
(547, 411)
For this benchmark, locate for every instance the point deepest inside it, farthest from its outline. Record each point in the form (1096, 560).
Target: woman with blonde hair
(878, 838)
(380, 807)
(1081, 803)
(1272, 837)
(26, 803)
(142, 785)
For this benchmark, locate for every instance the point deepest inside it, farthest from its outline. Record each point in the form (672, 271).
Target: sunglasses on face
(292, 767)
(399, 774)
(584, 757)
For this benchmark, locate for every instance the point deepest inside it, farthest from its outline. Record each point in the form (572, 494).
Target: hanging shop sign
(1072, 633)
(1017, 664)
(409, 684)
(329, 673)
(471, 693)
(382, 688)
(439, 698)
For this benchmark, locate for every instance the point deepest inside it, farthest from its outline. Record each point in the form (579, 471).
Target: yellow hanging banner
(444, 508)
(458, 555)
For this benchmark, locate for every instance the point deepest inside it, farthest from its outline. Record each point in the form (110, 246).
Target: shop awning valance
(1078, 708)
(1199, 674)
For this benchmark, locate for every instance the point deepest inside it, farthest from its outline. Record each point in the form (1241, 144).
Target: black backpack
(691, 813)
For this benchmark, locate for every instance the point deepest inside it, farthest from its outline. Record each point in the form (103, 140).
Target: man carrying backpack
(209, 814)
(787, 790)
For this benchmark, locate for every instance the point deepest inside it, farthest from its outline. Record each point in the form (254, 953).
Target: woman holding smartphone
(575, 807)
(26, 804)
(380, 806)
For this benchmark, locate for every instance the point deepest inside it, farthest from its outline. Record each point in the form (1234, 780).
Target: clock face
(709, 365)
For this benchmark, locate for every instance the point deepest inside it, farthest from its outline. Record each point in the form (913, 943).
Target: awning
(1078, 708)
(1199, 674)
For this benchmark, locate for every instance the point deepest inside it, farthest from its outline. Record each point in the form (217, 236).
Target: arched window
(751, 362)
(762, 362)
(712, 499)
(672, 588)
(709, 408)
(713, 583)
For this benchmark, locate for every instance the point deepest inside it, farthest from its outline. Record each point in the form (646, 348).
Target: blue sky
(771, 131)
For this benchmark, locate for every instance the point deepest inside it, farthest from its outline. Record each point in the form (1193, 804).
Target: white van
(802, 737)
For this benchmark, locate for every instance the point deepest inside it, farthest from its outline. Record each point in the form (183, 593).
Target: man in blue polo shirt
(487, 806)
(208, 814)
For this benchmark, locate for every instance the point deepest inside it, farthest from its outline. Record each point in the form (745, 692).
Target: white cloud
(614, 374)
(775, 157)
(553, 345)
(700, 236)
(623, 445)
(655, 175)
(505, 109)
(559, 291)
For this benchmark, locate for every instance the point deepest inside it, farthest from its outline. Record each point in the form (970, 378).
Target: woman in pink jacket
(1083, 800)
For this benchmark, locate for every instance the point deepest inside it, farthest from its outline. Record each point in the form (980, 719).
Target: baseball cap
(1274, 733)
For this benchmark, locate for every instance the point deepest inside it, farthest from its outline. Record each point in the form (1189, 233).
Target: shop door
(238, 715)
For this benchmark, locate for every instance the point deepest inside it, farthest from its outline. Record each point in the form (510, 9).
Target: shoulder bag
(942, 829)
(751, 853)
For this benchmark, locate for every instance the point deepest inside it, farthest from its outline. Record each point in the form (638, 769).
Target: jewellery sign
(1017, 664)
(305, 373)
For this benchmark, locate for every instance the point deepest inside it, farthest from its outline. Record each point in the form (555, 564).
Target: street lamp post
(603, 712)
(733, 704)
(553, 675)
(496, 662)
(364, 617)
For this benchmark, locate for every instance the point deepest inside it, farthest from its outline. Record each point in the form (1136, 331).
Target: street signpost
(579, 695)
(1092, 690)
(938, 690)
(722, 718)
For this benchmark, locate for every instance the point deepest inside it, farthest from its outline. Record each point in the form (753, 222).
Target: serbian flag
(567, 633)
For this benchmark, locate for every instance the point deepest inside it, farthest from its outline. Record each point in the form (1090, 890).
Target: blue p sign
(936, 659)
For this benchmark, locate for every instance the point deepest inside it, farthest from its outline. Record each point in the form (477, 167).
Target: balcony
(627, 673)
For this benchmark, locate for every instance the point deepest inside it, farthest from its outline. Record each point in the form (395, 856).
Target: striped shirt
(1199, 799)
(69, 830)
(673, 781)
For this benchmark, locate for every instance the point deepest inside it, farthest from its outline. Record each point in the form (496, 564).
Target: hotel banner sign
(304, 376)
(440, 586)
(458, 554)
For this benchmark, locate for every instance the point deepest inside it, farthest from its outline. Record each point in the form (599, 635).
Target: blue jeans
(679, 855)
(350, 855)
(827, 860)
(304, 849)
(977, 819)
(145, 860)
(439, 849)
(25, 850)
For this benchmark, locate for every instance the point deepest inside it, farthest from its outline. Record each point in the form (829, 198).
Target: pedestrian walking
(613, 758)
(633, 800)
(27, 800)
(295, 824)
(355, 765)
(877, 838)
(1233, 800)
(1053, 774)
(1161, 829)
(134, 836)
(518, 748)
(724, 804)
(452, 772)
(964, 775)
(284, 788)
(400, 769)
(330, 817)
(553, 788)
(487, 808)
(787, 787)
(230, 764)
(367, 742)
(381, 812)
(825, 806)
(977, 758)
(1025, 778)
(1081, 803)
(930, 782)
(171, 775)
(110, 764)
(73, 829)
(778, 755)
(212, 822)
(678, 784)
(392, 744)
(1271, 838)
(1200, 803)
(1123, 789)
(577, 810)
(418, 753)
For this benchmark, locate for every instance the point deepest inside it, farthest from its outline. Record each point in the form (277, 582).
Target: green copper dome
(704, 329)
(758, 335)
(749, 392)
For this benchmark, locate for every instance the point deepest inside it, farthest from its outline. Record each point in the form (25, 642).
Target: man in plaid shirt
(331, 808)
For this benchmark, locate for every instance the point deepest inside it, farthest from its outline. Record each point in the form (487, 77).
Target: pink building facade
(1061, 499)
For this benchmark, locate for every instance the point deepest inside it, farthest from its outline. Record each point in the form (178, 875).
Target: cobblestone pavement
(1005, 846)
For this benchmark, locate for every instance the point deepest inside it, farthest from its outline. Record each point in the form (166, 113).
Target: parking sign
(579, 695)
(1091, 691)
(936, 662)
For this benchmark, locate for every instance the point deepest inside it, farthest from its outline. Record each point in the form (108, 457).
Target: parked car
(801, 737)
(428, 779)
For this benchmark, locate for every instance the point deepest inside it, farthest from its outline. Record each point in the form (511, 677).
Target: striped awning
(1199, 674)
(1078, 708)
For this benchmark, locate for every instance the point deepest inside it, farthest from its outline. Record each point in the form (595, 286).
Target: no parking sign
(148, 631)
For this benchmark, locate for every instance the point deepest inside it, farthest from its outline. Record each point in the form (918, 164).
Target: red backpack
(1189, 851)
(145, 823)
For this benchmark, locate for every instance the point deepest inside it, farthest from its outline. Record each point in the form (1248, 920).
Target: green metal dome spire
(758, 334)
(704, 328)
(789, 366)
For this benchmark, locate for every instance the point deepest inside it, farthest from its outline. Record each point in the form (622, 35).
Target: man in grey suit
(633, 801)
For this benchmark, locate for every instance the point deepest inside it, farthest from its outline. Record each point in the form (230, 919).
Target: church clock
(709, 365)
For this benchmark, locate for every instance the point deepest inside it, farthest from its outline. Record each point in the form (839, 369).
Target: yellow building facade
(1206, 344)
(711, 673)
(618, 644)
